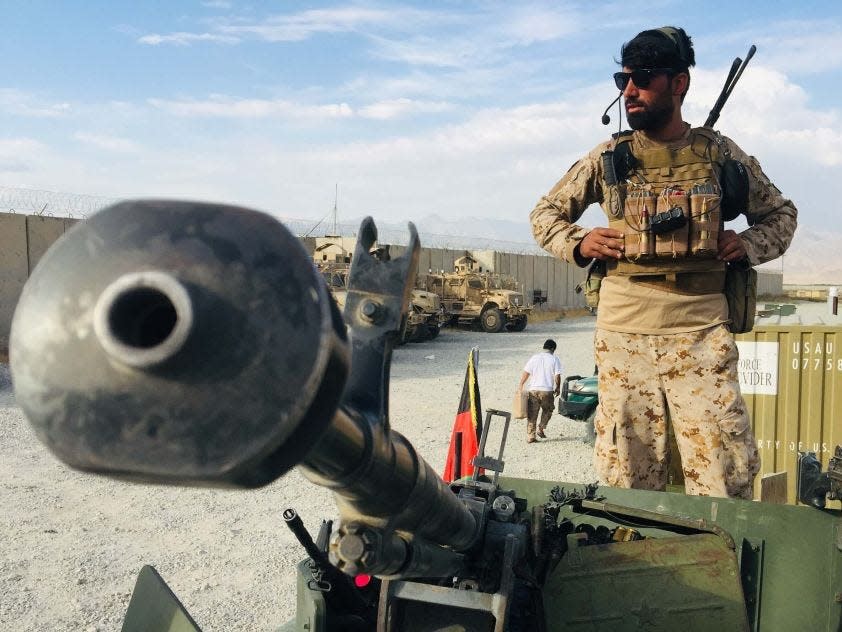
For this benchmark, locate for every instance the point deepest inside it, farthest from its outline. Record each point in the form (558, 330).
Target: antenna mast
(335, 208)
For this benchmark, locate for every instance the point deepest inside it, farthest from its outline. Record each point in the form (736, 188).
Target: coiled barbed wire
(51, 203)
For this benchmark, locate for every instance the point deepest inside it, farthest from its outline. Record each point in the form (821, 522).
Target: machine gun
(180, 343)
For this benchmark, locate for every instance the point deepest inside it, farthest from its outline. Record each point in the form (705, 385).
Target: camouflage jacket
(771, 217)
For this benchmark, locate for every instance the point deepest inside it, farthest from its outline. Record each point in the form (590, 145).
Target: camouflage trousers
(538, 400)
(688, 380)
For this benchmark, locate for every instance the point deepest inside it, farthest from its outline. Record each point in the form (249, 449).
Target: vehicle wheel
(492, 320)
(434, 332)
(518, 325)
(422, 334)
(590, 431)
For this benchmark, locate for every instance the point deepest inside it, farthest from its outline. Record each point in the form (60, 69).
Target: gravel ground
(73, 543)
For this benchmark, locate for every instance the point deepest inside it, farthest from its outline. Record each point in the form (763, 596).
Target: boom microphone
(605, 118)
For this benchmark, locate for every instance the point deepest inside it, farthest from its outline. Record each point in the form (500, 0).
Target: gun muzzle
(171, 341)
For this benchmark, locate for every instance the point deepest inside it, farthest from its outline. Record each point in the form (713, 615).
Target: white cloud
(427, 51)
(771, 115)
(797, 46)
(19, 146)
(186, 39)
(487, 39)
(439, 85)
(821, 145)
(17, 156)
(107, 143)
(300, 26)
(232, 108)
(18, 103)
(218, 106)
(530, 24)
(397, 108)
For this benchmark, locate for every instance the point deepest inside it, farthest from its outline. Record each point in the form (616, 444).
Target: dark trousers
(538, 400)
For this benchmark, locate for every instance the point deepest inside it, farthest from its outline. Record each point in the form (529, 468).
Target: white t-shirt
(542, 369)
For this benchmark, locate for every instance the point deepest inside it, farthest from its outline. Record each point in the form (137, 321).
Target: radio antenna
(734, 75)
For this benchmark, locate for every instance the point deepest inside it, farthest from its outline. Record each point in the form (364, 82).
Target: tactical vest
(667, 204)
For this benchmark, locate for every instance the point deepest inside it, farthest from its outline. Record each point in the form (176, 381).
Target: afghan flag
(467, 429)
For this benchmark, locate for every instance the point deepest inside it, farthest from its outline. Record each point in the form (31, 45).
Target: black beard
(651, 118)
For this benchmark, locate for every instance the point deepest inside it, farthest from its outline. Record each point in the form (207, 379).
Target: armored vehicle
(136, 319)
(471, 297)
(425, 315)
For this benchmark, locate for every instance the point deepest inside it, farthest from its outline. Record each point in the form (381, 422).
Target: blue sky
(455, 109)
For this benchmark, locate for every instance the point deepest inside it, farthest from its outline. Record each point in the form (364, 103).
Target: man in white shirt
(543, 371)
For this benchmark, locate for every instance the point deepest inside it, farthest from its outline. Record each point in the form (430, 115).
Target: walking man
(543, 372)
(663, 344)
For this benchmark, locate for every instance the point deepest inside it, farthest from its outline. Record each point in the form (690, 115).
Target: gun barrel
(296, 525)
(176, 342)
(379, 478)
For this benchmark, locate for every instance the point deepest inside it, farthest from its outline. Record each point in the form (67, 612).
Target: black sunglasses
(642, 77)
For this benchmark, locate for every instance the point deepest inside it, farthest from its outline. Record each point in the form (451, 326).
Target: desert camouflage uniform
(689, 379)
(655, 369)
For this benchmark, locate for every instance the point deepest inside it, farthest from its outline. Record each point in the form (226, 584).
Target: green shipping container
(791, 379)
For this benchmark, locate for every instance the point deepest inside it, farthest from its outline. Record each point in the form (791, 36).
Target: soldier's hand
(730, 246)
(602, 243)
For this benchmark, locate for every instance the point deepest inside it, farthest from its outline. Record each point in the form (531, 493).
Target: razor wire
(51, 203)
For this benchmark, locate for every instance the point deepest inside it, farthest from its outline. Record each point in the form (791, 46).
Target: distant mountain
(517, 233)
(814, 257)
(434, 231)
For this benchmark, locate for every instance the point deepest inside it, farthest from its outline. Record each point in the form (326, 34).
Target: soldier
(543, 372)
(663, 346)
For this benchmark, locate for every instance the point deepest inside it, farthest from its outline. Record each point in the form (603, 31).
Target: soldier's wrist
(580, 260)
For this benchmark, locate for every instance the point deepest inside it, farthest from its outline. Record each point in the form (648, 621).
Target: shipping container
(791, 378)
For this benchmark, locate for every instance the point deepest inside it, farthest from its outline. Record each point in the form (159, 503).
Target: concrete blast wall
(23, 241)
(770, 283)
